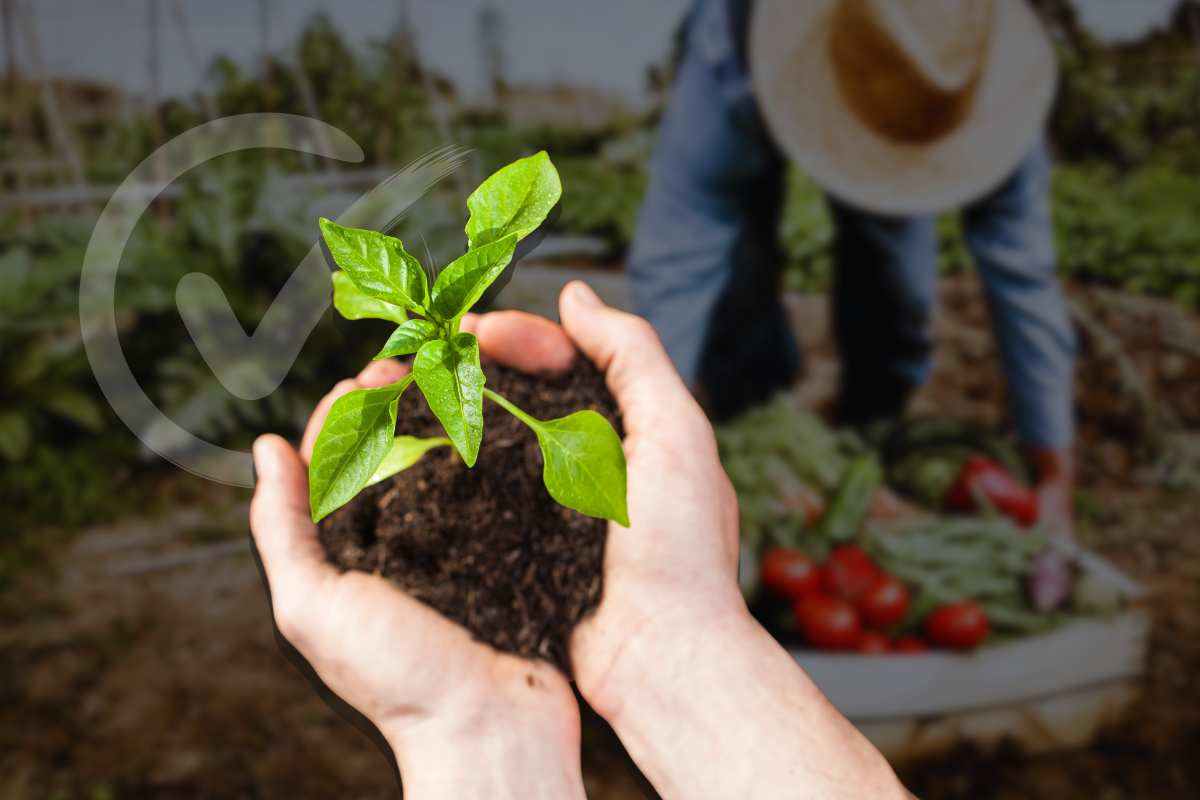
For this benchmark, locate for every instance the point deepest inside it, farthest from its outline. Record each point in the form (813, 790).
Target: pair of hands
(462, 718)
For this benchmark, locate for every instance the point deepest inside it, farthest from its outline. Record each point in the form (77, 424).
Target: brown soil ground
(487, 547)
(143, 664)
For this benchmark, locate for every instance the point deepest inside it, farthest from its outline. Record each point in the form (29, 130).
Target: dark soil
(487, 547)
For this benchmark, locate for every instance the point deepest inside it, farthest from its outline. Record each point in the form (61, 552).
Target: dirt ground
(142, 662)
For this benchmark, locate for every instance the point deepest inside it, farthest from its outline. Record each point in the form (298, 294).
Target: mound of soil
(487, 547)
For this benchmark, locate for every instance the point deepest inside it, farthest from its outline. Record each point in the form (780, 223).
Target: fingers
(279, 520)
(628, 351)
(523, 341)
(381, 373)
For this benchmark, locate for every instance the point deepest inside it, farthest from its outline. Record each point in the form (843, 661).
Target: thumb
(279, 520)
(635, 365)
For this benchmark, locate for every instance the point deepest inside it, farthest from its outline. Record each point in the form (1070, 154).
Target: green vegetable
(352, 303)
(408, 338)
(449, 375)
(378, 265)
(406, 451)
(353, 442)
(777, 451)
(950, 559)
(850, 505)
(584, 464)
(465, 279)
(513, 201)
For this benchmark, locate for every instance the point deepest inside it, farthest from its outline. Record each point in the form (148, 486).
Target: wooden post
(8, 14)
(59, 131)
(264, 39)
(18, 121)
(193, 56)
(309, 98)
(154, 95)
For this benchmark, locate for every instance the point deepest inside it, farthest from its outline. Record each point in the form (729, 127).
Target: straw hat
(903, 106)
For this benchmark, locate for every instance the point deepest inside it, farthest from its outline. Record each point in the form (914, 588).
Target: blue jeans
(705, 262)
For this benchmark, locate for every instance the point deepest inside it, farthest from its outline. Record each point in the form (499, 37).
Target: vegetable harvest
(843, 572)
(984, 484)
(583, 461)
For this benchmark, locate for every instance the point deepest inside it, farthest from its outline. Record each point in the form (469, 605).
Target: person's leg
(1011, 236)
(885, 278)
(704, 264)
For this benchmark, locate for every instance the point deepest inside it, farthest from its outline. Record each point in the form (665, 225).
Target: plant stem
(504, 403)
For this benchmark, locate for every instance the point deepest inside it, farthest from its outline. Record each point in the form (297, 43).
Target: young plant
(584, 465)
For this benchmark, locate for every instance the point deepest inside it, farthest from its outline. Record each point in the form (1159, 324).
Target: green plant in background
(584, 465)
(607, 202)
(43, 364)
(1133, 230)
(806, 235)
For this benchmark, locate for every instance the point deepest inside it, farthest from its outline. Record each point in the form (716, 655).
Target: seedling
(584, 465)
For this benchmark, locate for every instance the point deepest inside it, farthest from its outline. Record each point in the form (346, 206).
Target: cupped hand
(436, 694)
(674, 570)
(706, 702)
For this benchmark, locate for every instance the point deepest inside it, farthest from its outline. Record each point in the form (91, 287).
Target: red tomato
(961, 625)
(828, 622)
(789, 572)
(884, 604)
(873, 643)
(851, 553)
(848, 573)
(909, 644)
(983, 477)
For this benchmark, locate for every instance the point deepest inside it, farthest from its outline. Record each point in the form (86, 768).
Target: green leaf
(466, 278)
(583, 463)
(406, 451)
(515, 199)
(353, 303)
(16, 435)
(79, 407)
(378, 265)
(355, 438)
(451, 379)
(408, 338)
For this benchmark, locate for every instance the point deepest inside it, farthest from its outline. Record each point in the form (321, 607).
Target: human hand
(704, 699)
(463, 719)
(1050, 578)
(673, 572)
(671, 575)
(1056, 501)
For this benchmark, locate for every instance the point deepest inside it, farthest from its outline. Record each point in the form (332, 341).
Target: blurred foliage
(1134, 230)
(806, 234)
(1125, 110)
(1137, 231)
(50, 409)
(378, 94)
(603, 199)
(1125, 103)
(1126, 195)
(236, 221)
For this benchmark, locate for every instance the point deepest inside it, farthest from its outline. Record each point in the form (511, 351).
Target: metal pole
(16, 113)
(154, 97)
(58, 126)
